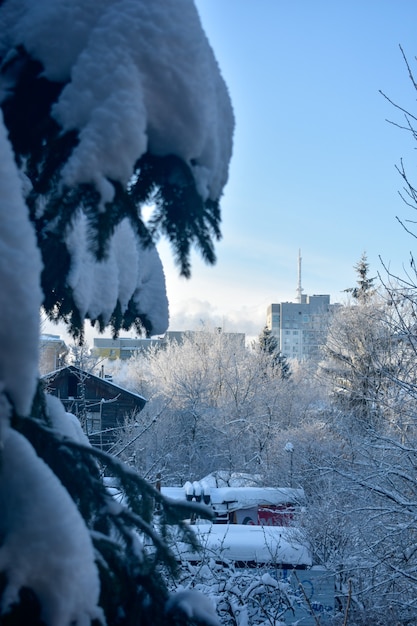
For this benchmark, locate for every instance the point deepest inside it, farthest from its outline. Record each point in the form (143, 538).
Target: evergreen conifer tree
(87, 137)
(54, 131)
(365, 289)
(268, 344)
(360, 353)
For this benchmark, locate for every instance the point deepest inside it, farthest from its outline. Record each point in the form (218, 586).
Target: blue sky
(314, 157)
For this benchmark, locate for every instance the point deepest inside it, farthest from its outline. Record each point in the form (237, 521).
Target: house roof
(103, 381)
(257, 544)
(236, 498)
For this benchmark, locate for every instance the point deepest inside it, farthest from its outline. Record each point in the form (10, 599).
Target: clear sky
(314, 157)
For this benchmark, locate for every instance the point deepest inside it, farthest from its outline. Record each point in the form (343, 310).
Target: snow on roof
(247, 497)
(51, 338)
(89, 374)
(260, 544)
(175, 493)
(236, 498)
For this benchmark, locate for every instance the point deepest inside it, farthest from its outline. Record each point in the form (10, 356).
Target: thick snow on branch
(194, 606)
(125, 81)
(139, 76)
(129, 271)
(45, 543)
(66, 424)
(21, 296)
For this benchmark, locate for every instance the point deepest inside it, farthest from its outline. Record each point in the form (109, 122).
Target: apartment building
(52, 353)
(124, 348)
(300, 327)
(121, 348)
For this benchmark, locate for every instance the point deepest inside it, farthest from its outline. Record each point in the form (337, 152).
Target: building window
(73, 387)
(93, 422)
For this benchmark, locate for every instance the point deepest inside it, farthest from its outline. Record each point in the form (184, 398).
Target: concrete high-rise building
(300, 327)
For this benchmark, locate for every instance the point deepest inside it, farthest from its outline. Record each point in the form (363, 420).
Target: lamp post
(290, 449)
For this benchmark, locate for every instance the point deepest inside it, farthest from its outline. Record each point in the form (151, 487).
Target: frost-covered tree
(268, 345)
(213, 404)
(365, 288)
(361, 353)
(363, 526)
(374, 471)
(402, 289)
(105, 105)
(203, 384)
(380, 470)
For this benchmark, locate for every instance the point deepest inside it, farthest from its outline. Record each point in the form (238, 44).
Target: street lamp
(290, 449)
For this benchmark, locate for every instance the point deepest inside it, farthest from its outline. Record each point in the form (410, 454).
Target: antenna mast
(299, 288)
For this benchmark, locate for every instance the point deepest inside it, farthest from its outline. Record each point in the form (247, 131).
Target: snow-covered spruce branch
(80, 468)
(174, 511)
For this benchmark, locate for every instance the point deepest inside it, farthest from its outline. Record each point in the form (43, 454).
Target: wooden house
(101, 406)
